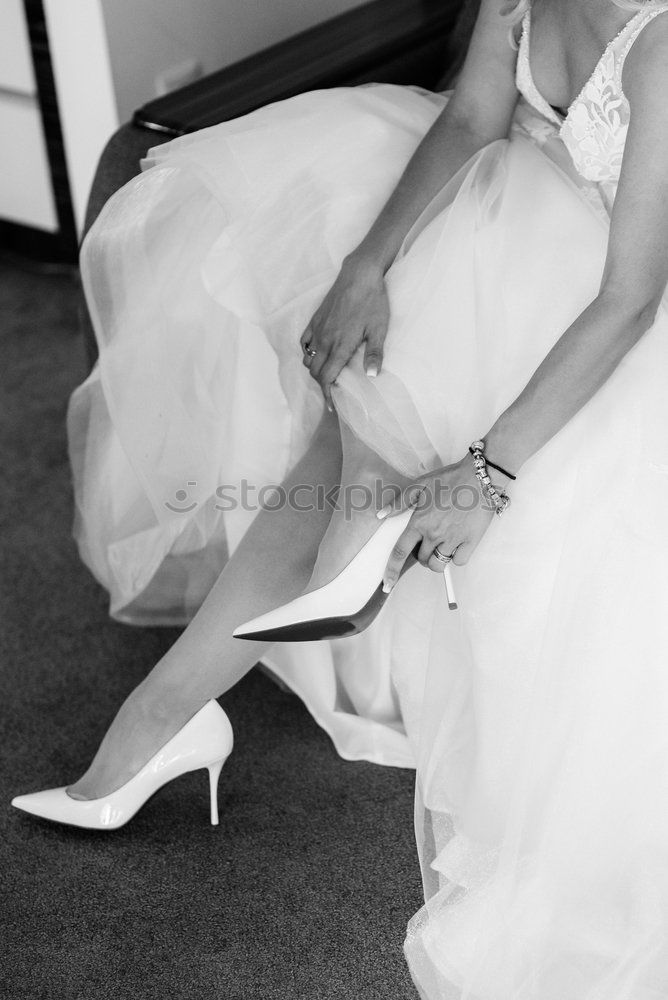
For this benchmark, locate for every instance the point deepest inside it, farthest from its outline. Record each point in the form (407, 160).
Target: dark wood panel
(63, 245)
(27, 241)
(374, 41)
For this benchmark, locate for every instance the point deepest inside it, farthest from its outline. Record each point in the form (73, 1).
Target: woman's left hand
(450, 512)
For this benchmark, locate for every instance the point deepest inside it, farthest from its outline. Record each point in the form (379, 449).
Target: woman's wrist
(500, 478)
(373, 255)
(500, 473)
(362, 263)
(504, 445)
(493, 491)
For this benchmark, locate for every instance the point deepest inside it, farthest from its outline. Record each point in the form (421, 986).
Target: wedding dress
(536, 713)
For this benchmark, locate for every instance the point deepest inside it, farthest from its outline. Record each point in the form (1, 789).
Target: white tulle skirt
(536, 714)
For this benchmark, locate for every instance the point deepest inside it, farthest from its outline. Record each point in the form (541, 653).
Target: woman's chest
(592, 121)
(567, 45)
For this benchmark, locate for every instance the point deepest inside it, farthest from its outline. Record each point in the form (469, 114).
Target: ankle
(151, 705)
(160, 703)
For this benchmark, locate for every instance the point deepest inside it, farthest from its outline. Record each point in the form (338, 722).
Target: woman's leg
(367, 483)
(273, 564)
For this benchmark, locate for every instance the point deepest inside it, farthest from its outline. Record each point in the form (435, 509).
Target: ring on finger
(309, 350)
(441, 556)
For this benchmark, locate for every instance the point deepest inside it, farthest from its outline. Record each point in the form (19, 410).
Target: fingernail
(383, 512)
(372, 371)
(387, 587)
(330, 408)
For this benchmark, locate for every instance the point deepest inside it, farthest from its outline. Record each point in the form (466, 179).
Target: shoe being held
(343, 607)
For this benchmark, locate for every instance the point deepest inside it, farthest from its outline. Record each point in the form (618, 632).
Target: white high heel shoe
(346, 605)
(206, 740)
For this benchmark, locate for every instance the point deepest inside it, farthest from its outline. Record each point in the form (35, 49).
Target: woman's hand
(355, 309)
(450, 512)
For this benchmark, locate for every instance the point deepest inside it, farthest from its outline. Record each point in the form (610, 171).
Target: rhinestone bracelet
(499, 497)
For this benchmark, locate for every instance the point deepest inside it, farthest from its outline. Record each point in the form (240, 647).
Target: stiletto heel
(343, 607)
(214, 775)
(206, 737)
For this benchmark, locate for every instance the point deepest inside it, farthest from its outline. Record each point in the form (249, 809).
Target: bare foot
(341, 543)
(367, 483)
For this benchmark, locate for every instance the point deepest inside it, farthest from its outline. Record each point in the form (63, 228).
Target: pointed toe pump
(343, 607)
(204, 742)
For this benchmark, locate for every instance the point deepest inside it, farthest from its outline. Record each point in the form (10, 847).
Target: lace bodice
(595, 126)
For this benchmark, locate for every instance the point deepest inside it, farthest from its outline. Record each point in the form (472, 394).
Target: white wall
(26, 192)
(16, 72)
(146, 37)
(86, 101)
(107, 54)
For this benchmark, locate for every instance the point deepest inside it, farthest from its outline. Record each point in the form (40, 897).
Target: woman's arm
(634, 281)
(634, 278)
(479, 111)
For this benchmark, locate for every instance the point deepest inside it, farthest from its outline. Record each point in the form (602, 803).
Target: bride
(453, 306)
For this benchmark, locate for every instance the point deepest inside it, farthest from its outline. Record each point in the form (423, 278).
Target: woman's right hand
(355, 309)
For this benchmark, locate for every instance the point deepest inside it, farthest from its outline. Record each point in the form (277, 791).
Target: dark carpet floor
(305, 888)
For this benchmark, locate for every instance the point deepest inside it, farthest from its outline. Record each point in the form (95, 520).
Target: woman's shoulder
(644, 56)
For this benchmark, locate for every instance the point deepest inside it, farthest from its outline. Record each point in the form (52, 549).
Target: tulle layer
(536, 713)
(200, 275)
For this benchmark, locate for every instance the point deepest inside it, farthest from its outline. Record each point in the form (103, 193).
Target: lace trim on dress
(595, 125)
